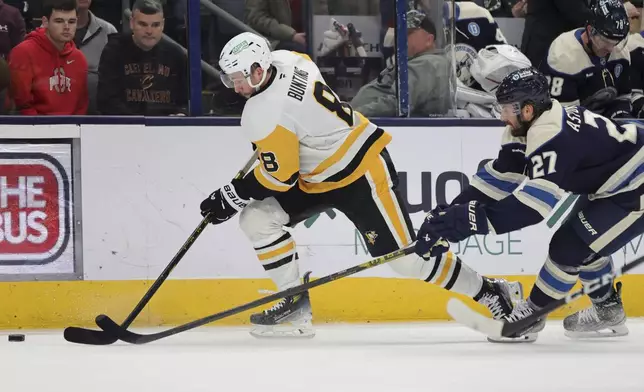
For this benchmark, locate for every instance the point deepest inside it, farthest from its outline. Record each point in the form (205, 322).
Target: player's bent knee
(567, 248)
(411, 266)
(262, 221)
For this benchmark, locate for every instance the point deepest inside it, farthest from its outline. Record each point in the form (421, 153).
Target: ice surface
(426, 357)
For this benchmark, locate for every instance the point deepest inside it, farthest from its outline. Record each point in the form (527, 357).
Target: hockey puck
(17, 338)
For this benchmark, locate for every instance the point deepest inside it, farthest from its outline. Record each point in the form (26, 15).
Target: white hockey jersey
(304, 133)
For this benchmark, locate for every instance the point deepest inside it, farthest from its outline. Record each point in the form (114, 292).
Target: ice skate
(291, 317)
(601, 319)
(500, 297)
(521, 310)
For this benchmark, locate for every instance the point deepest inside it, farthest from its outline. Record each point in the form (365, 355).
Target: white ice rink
(370, 358)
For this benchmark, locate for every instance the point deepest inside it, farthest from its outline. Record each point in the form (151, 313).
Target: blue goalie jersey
(568, 149)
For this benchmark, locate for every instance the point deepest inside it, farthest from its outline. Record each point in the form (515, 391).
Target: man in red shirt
(48, 72)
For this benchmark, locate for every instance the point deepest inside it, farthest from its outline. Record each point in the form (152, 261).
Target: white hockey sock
(450, 273)
(279, 259)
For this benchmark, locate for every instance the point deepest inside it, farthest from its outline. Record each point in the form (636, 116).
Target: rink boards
(92, 213)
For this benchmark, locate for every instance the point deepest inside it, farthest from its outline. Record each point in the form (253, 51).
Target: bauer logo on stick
(35, 209)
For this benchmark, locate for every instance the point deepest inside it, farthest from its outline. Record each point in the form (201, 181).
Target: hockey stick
(113, 329)
(463, 314)
(93, 337)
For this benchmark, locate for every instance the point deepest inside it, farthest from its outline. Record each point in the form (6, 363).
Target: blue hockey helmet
(609, 19)
(523, 86)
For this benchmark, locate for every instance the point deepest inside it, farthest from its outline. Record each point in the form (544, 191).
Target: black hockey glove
(458, 222)
(223, 204)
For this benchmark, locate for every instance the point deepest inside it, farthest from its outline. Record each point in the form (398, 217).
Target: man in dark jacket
(138, 74)
(12, 28)
(546, 20)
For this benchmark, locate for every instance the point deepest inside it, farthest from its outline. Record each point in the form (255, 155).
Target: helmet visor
(234, 79)
(604, 43)
(509, 110)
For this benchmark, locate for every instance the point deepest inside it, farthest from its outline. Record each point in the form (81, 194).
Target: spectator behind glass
(12, 28)
(48, 72)
(428, 76)
(139, 74)
(91, 38)
(281, 21)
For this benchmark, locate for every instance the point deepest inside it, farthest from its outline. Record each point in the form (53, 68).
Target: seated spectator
(591, 66)
(48, 72)
(91, 37)
(139, 74)
(12, 28)
(428, 76)
(280, 21)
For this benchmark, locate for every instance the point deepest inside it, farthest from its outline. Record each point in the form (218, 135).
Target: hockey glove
(458, 222)
(428, 243)
(222, 204)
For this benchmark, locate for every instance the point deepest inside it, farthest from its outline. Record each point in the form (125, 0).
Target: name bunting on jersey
(36, 208)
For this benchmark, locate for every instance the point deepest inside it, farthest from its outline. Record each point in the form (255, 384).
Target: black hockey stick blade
(112, 328)
(98, 338)
(88, 336)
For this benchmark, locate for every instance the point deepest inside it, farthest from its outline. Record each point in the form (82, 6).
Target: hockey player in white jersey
(317, 153)
(491, 65)
(590, 66)
(547, 150)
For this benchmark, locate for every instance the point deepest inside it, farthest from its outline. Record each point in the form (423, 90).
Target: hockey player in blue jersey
(590, 66)
(546, 150)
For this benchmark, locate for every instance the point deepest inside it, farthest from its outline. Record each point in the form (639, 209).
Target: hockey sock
(595, 270)
(450, 273)
(553, 283)
(279, 259)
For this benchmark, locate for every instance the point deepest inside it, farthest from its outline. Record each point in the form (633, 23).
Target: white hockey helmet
(240, 54)
(494, 63)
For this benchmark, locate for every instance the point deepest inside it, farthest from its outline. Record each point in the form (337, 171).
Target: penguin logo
(474, 29)
(618, 70)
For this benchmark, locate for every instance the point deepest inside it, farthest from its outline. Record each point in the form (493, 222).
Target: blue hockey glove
(459, 222)
(222, 204)
(428, 243)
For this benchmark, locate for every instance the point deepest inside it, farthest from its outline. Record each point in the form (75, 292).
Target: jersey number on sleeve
(630, 130)
(270, 162)
(538, 169)
(327, 98)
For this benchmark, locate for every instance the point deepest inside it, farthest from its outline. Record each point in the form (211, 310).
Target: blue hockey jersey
(568, 149)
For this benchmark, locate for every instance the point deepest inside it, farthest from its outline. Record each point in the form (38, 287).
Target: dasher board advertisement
(37, 230)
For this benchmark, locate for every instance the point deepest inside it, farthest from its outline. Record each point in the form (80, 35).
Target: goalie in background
(488, 69)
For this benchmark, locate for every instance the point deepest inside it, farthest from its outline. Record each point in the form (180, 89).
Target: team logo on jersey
(474, 29)
(465, 56)
(59, 82)
(371, 237)
(618, 70)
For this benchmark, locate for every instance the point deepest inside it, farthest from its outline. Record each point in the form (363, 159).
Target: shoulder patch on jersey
(567, 56)
(545, 128)
(474, 29)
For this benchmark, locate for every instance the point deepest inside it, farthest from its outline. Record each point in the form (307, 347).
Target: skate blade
(282, 332)
(527, 338)
(608, 332)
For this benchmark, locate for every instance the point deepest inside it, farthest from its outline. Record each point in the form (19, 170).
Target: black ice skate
(602, 319)
(290, 317)
(521, 310)
(500, 297)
